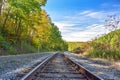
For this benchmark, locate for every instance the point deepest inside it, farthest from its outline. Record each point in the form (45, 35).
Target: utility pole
(39, 45)
(38, 48)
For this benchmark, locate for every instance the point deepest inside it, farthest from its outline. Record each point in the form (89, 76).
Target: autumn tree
(25, 22)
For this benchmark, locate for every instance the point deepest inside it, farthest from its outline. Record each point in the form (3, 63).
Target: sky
(81, 20)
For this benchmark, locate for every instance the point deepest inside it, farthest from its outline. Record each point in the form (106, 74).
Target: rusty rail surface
(60, 67)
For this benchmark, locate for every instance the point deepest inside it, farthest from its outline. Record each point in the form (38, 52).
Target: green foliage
(5, 45)
(78, 50)
(78, 47)
(107, 54)
(26, 47)
(107, 46)
(25, 27)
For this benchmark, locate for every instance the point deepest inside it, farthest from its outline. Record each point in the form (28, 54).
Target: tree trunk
(4, 23)
(2, 2)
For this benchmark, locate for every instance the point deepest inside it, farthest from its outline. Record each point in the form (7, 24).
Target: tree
(112, 22)
(24, 21)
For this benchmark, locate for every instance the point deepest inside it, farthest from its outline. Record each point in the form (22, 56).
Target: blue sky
(81, 20)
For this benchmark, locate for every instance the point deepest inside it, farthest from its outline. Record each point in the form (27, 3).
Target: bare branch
(112, 22)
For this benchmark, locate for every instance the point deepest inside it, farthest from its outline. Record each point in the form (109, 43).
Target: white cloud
(64, 27)
(96, 15)
(62, 24)
(83, 26)
(88, 16)
(100, 15)
(86, 35)
(70, 34)
(85, 12)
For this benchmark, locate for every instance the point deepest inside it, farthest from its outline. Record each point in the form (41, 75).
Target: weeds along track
(59, 67)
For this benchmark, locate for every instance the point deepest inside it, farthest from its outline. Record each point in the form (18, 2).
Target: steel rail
(84, 71)
(88, 74)
(32, 71)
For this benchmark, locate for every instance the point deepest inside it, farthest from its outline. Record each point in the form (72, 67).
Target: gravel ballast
(11, 66)
(108, 70)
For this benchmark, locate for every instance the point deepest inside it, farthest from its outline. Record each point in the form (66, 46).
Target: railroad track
(60, 67)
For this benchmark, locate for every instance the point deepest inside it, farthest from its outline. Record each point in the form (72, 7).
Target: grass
(106, 54)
